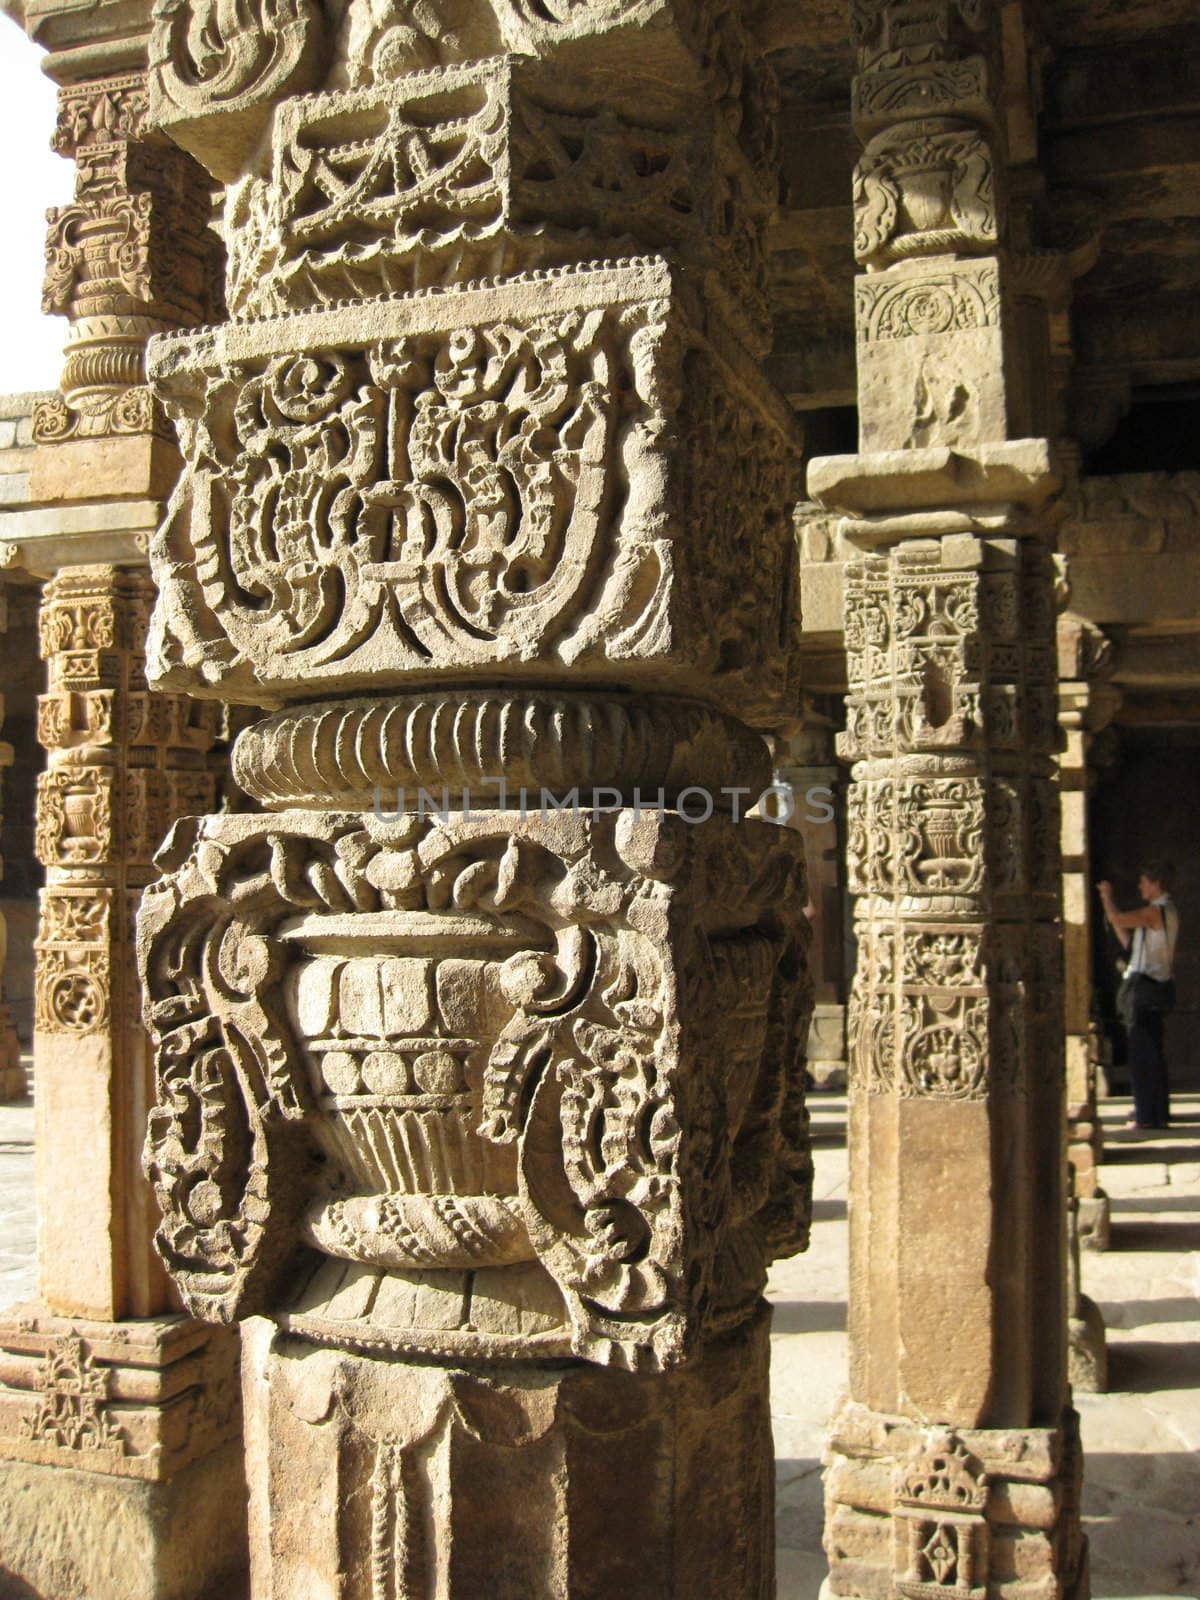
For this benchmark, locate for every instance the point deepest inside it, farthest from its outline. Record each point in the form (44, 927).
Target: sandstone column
(478, 1099)
(120, 1470)
(808, 765)
(1087, 705)
(954, 1464)
(12, 1073)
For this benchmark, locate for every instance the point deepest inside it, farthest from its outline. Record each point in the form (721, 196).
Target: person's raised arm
(1123, 923)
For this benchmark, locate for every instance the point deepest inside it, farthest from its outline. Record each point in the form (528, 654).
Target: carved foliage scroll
(484, 496)
(522, 1100)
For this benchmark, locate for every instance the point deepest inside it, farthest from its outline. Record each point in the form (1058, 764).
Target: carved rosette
(546, 1058)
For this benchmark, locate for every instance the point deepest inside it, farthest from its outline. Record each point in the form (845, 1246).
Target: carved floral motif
(941, 1532)
(503, 493)
(521, 1098)
(72, 1410)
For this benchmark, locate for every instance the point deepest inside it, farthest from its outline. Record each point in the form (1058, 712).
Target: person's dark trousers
(1148, 1068)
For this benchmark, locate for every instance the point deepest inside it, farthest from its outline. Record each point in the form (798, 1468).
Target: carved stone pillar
(488, 1120)
(120, 1461)
(807, 763)
(12, 1073)
(1086, 705)
(109, 1399)
(954, 1463)
(121, 765)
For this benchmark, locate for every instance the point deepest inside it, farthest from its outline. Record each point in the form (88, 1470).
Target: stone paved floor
(1142, 1494)
(1142, 1439)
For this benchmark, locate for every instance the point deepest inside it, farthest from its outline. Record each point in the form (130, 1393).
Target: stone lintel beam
(41, 540)
(83, 42)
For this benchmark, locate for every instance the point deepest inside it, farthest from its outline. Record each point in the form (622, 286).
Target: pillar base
(120, 1457)
(1095, 1221)
(931, 1513)
(1087, 1349)
(377, 1478)
(66, 1533)
(827, 1046)
(126, 1399)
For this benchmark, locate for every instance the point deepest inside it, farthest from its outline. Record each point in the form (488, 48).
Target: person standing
(1147, 991)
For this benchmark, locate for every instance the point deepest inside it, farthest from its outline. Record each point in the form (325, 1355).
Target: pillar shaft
(491, 1119)
(1087, 704)
(808, 765)
(121, 764)
(954, 1462)
(12, 1073)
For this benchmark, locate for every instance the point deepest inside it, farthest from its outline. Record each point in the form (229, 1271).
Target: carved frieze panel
(918, 90)
(891, 33)
(73, 977)
(476, 490)
(480, 170)
(555, 1053)
(72, 1410)
(951, 1010)
(940, 1524)
(99, 113)
(953, 834)
(935, 302)
(924, 188)
(217, 70)
(940, 659)
(133, 1399)
(938, 1514)
(77, 824)
(922, 836)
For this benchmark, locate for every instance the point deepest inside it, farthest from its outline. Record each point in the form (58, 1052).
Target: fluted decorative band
(355, 754)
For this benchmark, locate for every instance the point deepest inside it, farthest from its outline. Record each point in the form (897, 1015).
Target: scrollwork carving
(231, 59)
(530, 1079)
(503, 493)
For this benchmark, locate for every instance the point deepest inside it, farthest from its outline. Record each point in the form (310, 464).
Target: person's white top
(1154, 948)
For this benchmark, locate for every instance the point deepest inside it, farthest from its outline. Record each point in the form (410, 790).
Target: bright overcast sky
(32, 177)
